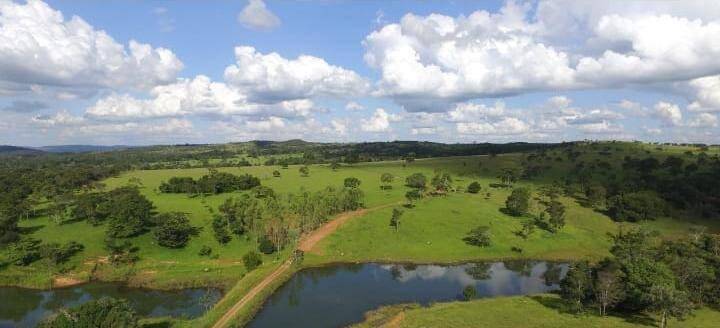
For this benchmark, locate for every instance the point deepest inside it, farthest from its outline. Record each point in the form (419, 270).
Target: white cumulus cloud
(257, 16)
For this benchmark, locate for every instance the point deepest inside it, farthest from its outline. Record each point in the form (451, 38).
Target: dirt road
(306, 244)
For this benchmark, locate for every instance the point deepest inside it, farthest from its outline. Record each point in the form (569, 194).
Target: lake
(21, 307)
(339, 295)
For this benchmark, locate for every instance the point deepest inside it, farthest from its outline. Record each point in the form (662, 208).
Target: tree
(508, 176)
(479, 236)
(351, 182)
(556, 213)
(304, 171)
(518, 203)
(252, 260)
(276, 173)
(174, 230)
(469, 293)
(413, 195)
(220, 231)
(386, 179)
(527, 228)
(636, 206)
(668, 302)
(442, 182)
(417, 181)
(129, 212)
(395, 219)
(266, 246)
(596, 195)
(121, 252)
(576, 287)
(102, 313)
(474, 187)
(608, 286)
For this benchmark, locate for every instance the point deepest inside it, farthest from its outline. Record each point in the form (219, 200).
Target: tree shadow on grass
(561, 306)
(30, 230)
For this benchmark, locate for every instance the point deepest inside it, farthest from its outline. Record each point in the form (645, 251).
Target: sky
(173, 72)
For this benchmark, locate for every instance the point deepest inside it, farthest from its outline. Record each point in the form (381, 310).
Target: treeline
(670, 279)
(638, 187)
(214, 183)
(277, 220)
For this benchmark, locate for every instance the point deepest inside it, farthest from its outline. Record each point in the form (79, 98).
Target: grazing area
(234, 226)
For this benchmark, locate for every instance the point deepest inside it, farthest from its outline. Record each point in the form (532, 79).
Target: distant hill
(18, 151)
(79, 148)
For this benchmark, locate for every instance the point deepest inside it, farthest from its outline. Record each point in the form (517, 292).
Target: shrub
(252, 260)
(518, 203)
(266, 246)
(174, 230)
(474, 187)
(205, 251)
(104, 312)
(479, 236)
(469, 292)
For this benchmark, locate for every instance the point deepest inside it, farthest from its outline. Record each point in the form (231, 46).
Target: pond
(339, 295)
(20, 307)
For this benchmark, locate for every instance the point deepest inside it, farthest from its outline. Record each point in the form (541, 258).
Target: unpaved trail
(395, 321)
(230, 314)
(306, 244)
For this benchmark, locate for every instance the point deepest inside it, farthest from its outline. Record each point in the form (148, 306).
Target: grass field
(539, 311)
(430, 232)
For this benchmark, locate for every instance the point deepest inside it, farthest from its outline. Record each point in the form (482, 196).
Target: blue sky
(147, 72)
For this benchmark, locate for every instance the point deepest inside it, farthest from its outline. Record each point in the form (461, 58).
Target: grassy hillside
(540, 311)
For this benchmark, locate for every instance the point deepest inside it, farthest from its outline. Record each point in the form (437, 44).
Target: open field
(539, 311)
(430, 232)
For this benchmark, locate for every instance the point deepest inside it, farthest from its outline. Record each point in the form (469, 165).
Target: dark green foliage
(129, 212)
(56, 254)
(474, 187)
(174, 230)
(351, 182)
(121, 251)
(263, 192)
(276, 173)
(304, 171)
(220, 231)
(91, 207)
(252, 260)
(102, 313)
(25, 251)
(556, 215)
(205, 251)
(416, 180)
(518, 203)
(266, 246)
(441, 182)
(595, 195)
(413, 195)
(479, 236)
(386, 179)
(469, 293)
(213, 183)
(395, 218)
(576, 288)
(636, 206)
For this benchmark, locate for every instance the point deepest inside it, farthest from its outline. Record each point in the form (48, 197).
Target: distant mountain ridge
(79, 148)
(18, 151)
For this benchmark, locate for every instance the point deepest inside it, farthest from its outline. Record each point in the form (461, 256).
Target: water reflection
(20, 307)
(339, 295)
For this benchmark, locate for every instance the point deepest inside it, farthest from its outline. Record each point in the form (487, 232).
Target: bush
(352, 182)
(479, 236)
(637, 206)
(220, 230)
(416, 180)
(469, 292)
(174, 230)
(518, 203)
(266, 246)
(105, 312)
(474, 187)
(205, 251)
(252, 260)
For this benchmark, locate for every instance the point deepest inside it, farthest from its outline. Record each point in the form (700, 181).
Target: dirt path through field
(306, 244)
